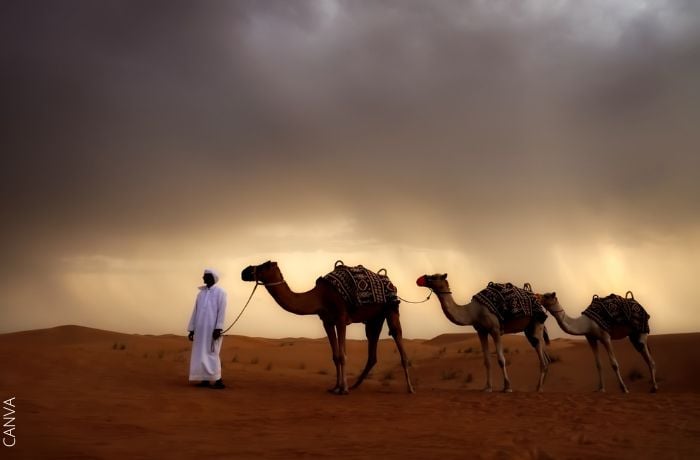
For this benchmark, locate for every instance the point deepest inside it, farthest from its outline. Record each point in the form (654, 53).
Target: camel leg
(396, 332)
(593, 342)
(343, 389)
(607, 343)
(330, 332)
(640, 344)
(501, 360)
(373, 329)
(484, 339)
(539, 348)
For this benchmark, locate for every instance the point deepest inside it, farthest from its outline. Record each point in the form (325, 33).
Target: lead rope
(213, 342)
(420, 301)
(257, 283)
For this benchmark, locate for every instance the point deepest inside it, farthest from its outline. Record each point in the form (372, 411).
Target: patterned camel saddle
(508, 302)
(360, 286)
(615, 310)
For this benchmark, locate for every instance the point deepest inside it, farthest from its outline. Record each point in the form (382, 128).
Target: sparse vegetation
(388, 376)
(635, 374)
(323, 372)
(161, 353)
(450, 374)
(268, 367)
(302, 366)
(469, 350)
(234, 359)
(254, 360)
(122, 346)
(145, 355)
(469, 378)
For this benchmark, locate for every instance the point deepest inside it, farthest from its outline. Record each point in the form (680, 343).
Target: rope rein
(242, 310)
(420, 301)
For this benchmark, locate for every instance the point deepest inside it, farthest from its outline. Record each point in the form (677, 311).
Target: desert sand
(83, 393)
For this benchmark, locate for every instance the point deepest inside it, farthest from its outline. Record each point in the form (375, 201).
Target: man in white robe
(205, 328)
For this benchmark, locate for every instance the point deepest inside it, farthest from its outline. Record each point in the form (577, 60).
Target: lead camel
(336, 314)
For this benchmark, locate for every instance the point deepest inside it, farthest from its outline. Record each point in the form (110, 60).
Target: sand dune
(87, 393)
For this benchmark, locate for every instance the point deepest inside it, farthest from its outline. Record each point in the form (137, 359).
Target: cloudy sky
(554, 142)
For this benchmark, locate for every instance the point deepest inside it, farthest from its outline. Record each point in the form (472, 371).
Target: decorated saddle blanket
(615, 310)
(508, 302)
(360, 286)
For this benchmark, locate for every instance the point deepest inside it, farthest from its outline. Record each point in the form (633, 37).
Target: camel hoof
(600, 390)
(625, 391)
(487, 390)
(654, 389)
(507, 390)
(411, 390)
(333, 390)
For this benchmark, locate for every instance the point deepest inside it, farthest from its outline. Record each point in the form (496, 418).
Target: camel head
(437, 282)
(265, 273)
(549, 301)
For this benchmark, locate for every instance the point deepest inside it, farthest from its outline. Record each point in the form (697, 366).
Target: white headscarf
(213, 273)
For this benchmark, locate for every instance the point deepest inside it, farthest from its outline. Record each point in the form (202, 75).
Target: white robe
(208, 314)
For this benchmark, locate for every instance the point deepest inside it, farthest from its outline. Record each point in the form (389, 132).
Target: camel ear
(554, 294)
(443, 277)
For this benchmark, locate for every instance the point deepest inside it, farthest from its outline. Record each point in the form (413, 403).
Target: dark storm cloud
(132, 118)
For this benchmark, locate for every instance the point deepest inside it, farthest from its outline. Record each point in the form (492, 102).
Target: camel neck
(573, 326)
(462, 315)
(304, 303)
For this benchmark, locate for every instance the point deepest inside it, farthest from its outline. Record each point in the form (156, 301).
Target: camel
(335, 313)
(486, 323)
(584, 325)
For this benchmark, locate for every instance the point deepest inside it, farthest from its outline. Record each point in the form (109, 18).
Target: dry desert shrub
(635, 374)
(449, 374)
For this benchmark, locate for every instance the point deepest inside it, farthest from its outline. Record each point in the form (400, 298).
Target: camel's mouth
(248, 273)
(421, 281)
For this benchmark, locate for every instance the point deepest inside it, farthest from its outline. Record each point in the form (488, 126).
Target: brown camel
(335, 313)
(486, 323)
(584, 325)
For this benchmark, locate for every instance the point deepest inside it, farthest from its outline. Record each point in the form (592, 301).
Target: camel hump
(629, 295)
(339, 263)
